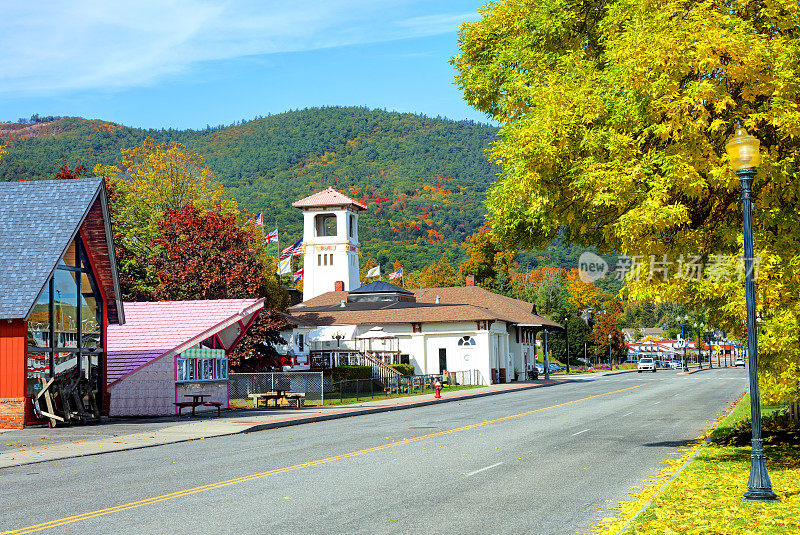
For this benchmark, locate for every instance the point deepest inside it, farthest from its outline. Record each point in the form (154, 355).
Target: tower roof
(328, 197)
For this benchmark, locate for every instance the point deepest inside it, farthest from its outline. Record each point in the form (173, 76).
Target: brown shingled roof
(328, 197)
(458, 303)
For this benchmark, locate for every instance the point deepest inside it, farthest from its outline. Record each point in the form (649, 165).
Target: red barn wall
(13, 356)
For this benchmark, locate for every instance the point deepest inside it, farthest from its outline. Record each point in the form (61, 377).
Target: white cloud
(55, 46)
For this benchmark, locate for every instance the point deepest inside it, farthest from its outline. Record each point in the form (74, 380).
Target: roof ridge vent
(343, 303)
(438, 299)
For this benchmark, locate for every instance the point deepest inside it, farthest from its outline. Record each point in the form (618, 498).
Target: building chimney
(338, 286)
(470, 280)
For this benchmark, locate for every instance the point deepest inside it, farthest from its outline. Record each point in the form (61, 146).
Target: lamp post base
(759, 487)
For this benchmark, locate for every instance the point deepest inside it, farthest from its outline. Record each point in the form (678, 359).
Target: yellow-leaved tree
(614, 118)
(152, 179)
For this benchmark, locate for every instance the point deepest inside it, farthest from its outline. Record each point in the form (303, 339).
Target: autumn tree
(256, 352)
(440, 274)
(152, 179)
(65, 173)
(614, 117)
(487, 260)
(207, 255)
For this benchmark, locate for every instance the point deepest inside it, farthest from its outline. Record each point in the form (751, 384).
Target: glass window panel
(89, 367)
(38, 368)
(223, 369)
(69, 257)
(90, 315)
(66, 308)
(39, 321)
(66, 364)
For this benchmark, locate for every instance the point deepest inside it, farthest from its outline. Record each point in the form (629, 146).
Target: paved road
(537, 461)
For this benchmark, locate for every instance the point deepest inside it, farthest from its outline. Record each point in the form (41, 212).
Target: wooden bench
(299, 398)
(182, 404)
(216, 404)
(195, 404)
(265, 396)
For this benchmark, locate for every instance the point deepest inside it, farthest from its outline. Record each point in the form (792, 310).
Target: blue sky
(189, 63)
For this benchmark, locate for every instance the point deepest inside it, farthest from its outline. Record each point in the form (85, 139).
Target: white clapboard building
(340, 322)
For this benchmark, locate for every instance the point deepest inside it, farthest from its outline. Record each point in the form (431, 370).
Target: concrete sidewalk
(20, 446)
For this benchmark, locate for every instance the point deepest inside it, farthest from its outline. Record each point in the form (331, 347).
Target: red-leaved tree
(206, 255)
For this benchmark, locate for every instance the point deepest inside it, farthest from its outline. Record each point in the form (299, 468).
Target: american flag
(396, 274)
(298, 276)
(296, 249)
(272, 236)
(259, 220)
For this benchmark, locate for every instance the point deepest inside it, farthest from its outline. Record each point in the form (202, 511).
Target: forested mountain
(424, 179)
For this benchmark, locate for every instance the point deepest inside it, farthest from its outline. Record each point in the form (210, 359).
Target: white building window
(325, 224)
(466, 341)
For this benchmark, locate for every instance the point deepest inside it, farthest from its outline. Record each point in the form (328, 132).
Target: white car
(646, 364)
(675, 364)
(738, 362)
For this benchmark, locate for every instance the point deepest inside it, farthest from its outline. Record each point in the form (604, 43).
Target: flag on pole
(374, 272)
(298, 276)
(285, 266)
(296, 249)
(272, 236)
(259, 220)
(396, 274)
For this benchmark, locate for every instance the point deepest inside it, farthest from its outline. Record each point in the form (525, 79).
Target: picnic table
(197, 400)
(276, 395)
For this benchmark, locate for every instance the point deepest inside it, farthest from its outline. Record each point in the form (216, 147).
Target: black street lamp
(744, 157)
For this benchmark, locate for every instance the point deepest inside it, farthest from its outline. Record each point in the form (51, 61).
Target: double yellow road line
(259, 475)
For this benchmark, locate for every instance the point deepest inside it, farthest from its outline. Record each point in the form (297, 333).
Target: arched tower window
(325, 224)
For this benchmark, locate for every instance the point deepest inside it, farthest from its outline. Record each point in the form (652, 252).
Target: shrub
(343, 373)
(405, 369)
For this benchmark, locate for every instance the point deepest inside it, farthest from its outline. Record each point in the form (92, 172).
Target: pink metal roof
(154, 329)
(327, 197)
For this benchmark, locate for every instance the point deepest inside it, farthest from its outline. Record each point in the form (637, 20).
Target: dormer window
(325, 225)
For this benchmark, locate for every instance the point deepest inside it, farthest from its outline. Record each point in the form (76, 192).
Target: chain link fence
(240, 385)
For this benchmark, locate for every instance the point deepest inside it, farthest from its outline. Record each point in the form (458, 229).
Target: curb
(387, 408)
(674, 476)
(300, 421)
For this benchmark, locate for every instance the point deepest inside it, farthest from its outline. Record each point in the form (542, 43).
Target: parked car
(739, 362)
(675, 364)
(556, 368)
(646, 365)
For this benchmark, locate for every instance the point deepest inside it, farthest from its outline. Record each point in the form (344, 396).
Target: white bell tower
(330, 242)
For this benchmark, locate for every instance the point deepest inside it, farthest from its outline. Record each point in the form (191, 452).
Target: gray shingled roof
(380, 287)
(38, 220)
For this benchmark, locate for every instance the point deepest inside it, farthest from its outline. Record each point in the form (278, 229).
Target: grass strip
(706, 497)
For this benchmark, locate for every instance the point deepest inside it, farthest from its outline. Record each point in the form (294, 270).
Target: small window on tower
(319, 259)
(352, 220)
(326, 259)
(325, 224)
(331, 258)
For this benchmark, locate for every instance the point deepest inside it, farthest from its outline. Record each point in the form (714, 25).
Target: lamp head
(742, 149)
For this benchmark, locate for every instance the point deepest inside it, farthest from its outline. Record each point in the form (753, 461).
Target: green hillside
(424, 179)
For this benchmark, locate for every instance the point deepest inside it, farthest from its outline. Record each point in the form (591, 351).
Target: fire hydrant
(438, 386)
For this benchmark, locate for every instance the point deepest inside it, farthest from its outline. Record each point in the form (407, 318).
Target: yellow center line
(211, 486)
